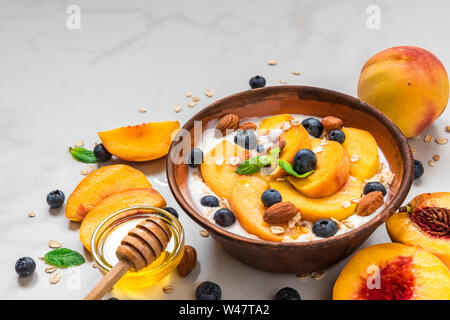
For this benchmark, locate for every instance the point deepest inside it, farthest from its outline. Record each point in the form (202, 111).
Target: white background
(58, 87)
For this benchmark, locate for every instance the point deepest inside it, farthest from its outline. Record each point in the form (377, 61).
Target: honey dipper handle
(109, 280)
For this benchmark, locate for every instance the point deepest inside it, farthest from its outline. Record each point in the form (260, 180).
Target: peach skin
(408, 84)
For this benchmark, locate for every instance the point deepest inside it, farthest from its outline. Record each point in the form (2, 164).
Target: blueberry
(374, 186)
(418, 169)
(246, 139)
(208, 290)
(195, 158)
(336, 135)
(270, 197)
(224, 217)
(101, 154)
(209, 201)
(313, 126)
(25, 266)
(325, 228)
(287, 293)
(172, 211)
(55, 199)
(260, 148)
(257, 82)
(304, 161)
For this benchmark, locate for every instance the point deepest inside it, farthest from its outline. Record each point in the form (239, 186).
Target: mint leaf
(253, 165)
(286, 166)
(63, 257)
(83, 155)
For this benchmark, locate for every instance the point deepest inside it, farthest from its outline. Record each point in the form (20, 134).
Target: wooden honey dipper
(141, 246)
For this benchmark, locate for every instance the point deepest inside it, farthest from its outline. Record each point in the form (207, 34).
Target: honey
(113, 229)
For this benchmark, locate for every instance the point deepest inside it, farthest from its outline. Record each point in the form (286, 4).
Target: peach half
(116, 202)
(426, 223)
(100, 184)
(393, 271)
(408, 84)
(139, 143)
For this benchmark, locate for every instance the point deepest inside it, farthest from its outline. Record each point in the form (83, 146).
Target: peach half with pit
(139, 143)
(393, 271)
(424, 222)
(100, 184)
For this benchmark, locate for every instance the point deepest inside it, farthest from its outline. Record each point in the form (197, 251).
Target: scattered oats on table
(50, 269)
(428, 138)
(54, 279)
(447, 128)
(54, 244)
(32, 215)
(283, 81)
(272, 63)
(431, 163)
(88, 170)
(192, 104)
(317, 275)
(195, 99)
(302, 275)
(142, 110)
(188, 94)
(209, 93)
(79, 143)
(441, 140)
(295, 72)
(178, 109)
(168, 289)
(436, 157)
(204, 233)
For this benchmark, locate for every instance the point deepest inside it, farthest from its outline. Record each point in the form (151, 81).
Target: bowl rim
(396, 201)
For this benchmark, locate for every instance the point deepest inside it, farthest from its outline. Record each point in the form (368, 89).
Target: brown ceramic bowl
(301, 256)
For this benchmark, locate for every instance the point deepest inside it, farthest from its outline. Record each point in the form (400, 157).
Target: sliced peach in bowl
(143, 142)
(218, 168)
(393, 271)
(425, 224)
(362, 149)
(99, 184)
(339, 205)
(273, 122)
(333, 168)
(114, 203)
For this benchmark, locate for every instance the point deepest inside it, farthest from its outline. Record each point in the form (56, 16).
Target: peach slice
(114, 203)
(393, 271)
(339, 205)
(361, 145)
(331, 174)
(411, 229)
(274, 122)
(143, 142)
(101, 183)
(249, 210)
(218, 168)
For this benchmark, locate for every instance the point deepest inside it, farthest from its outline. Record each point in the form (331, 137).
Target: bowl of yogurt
(248, 189)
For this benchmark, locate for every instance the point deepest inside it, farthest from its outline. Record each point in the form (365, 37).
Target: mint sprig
(83, 155)
(286, 166)
(253, 165)
(63, 258)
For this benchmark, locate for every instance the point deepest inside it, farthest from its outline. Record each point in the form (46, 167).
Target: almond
(370, 203)
(228, 122)
(280, 212)
(247, 126)
(332, 123)
(188, 262)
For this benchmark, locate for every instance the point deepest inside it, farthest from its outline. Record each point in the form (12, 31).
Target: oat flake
(168, 289)
(195, 99)
(295, 72)
(204, 233)
(54, 279)
(188, 94)
(209, 93)
(441, 140)
(32, 215)
(178, 109)
(272, 63)
(428, 138)
(54, 244)
(436, 157)
(50, 269)
(142, 110)
(317, 275)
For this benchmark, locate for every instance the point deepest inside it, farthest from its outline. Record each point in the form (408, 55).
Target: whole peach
(408, 84)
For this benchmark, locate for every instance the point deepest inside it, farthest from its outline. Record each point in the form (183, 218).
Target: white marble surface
(59, 86)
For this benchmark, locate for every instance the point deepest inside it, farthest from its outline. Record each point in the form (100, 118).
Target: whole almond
(280, 212)
(247, 126)
(227, 122)
(332, 123)
(370, 203)
(188, 262)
